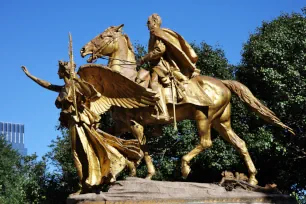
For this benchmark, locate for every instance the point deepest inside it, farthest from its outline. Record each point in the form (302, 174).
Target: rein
(112, 58)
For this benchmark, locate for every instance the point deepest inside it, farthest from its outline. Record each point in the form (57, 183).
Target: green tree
(212, 61)
(9, 174)
(274, 68)
(21, 178)
(34, 175)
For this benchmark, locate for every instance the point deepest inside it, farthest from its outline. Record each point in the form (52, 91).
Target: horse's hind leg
(137, 131)
(203, 125)
(223, 126)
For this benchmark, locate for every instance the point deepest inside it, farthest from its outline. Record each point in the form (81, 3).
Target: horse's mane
(130, 46)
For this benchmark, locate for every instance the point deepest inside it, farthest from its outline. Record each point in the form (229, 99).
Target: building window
(22, 128)
(9, 127)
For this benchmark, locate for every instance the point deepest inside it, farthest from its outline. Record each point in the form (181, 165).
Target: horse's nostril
(83, 49)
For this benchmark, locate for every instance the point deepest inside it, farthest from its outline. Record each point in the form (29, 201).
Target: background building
(14, 134)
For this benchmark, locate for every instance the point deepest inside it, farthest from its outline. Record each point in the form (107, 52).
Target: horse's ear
(119, 28)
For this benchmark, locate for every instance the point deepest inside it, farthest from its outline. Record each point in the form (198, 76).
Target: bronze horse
(117, 46)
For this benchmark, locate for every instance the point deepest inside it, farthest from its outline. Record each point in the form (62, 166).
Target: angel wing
(115, 89)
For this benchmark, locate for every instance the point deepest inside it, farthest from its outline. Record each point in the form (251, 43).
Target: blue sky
(35, 34)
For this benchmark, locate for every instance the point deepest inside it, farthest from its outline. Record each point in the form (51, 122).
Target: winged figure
(98, 156)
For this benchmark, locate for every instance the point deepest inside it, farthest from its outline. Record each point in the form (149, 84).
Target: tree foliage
(21, 178)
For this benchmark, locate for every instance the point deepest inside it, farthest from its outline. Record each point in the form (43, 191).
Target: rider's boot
(162, 106)
(164, 112)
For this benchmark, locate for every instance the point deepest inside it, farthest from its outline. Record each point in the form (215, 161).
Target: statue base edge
(137, 190)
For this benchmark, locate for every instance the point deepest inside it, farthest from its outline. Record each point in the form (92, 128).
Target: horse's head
(104, 44)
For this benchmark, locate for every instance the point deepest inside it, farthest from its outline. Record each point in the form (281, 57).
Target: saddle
(190, 92)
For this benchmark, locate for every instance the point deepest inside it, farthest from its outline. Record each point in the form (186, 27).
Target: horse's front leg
(137, 131)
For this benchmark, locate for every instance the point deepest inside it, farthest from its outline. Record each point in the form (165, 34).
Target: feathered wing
(115, 89)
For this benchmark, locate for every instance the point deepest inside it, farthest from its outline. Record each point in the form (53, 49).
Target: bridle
(100, 49)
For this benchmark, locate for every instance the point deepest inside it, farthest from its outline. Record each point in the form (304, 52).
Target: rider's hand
(25, 70)
(140, 62)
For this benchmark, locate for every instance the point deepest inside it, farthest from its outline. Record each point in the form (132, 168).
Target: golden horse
(117, 46)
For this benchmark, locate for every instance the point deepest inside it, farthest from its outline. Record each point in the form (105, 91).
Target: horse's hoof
(133, 173)
(112, 180)
(149, 177)
(185, 171)
(253, 180)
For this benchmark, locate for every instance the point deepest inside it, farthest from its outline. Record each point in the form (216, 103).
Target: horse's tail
(246, 96)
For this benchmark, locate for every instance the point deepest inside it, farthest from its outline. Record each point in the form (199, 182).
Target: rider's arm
(41, 82)
(157, 52)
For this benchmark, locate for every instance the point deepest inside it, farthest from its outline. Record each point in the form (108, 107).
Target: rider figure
(169, 55)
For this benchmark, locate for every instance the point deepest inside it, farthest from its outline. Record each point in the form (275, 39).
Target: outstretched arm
(41, 82)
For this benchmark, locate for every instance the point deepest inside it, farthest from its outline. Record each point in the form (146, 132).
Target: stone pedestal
(137, 190)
